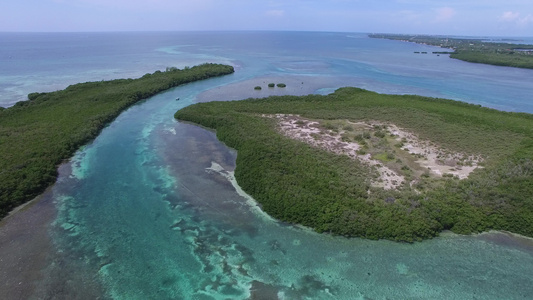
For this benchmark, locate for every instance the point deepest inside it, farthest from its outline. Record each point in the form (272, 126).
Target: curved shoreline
(471, 50)
(41, 133)
(403, 213)
(522, 240)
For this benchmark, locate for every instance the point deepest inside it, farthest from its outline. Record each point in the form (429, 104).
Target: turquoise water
(148, 210)
(152, 222)
(49, 61)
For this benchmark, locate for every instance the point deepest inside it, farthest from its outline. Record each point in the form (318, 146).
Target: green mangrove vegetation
(38, 134)
(270, 85)
(473, 50)
(299, 182)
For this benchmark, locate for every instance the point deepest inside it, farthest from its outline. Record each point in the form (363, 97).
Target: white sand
(434, 159)
(218, 169)
(307, 131)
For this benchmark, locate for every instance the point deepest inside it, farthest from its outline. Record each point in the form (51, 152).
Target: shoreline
(446, 136)
(41, 137)
(363, 257)
(256, 206)
(471, 50)
(517, 240)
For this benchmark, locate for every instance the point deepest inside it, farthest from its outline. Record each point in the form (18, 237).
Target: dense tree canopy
(36, 135)
(298, 183)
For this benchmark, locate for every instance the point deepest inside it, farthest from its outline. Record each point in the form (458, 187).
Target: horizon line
(253, 30)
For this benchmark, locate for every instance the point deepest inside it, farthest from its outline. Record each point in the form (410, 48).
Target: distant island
(362, 164)
(473, 50)
(38, 134)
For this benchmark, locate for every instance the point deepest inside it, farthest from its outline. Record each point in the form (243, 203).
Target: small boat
(177, 99)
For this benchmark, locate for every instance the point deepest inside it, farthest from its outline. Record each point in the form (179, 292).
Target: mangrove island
(473, 50)
(362, 164)
(38, 134)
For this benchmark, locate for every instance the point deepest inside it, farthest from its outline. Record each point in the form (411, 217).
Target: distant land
(473, 50)
(38, 134)
(362, 164)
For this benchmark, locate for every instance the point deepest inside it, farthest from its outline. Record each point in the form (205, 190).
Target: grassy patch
(384, 157)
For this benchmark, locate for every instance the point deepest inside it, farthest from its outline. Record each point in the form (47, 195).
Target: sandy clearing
(309, 131)
(437, 161)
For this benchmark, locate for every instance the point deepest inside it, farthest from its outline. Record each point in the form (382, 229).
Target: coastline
(21, 208)
(242, 126)
(472, 50)
(275, 255)
(29, 174)
(230, 177)
(501, 237)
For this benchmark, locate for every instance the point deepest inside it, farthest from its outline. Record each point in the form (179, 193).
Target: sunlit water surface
(149, 210)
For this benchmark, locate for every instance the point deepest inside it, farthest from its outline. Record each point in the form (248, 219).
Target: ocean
(142, 213)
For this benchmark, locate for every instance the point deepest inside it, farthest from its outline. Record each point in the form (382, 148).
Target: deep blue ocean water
(141, 214)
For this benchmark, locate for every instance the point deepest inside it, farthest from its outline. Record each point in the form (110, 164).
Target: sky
(451, 17)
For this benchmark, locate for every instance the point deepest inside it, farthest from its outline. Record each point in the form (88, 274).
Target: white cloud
(275, 13)
(517, 18)
(526, 20)
(509, 16)
(444, 14)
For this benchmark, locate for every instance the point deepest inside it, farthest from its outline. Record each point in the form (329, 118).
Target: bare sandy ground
(436, 160)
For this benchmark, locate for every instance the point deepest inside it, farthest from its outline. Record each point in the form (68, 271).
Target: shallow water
(40, 62)
(150, 219)
(141, 214)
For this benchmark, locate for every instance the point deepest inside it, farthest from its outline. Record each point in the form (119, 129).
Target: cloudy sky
(458, 17)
